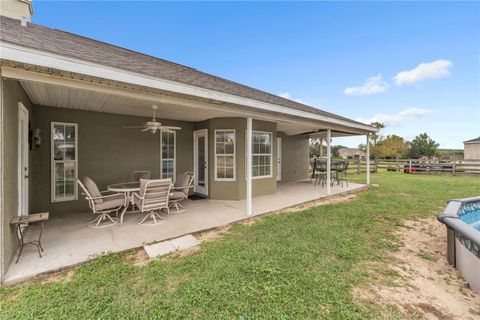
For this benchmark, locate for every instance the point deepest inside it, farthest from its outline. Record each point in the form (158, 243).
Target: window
(225, 155)
(261, 154)
(64, 161)
(168, 155)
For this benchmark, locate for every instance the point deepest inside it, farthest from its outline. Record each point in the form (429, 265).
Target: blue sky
(342, 57)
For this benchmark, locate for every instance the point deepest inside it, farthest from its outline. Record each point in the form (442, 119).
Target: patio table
(128, 188)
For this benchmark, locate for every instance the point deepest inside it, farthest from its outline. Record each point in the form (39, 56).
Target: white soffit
(78, 99)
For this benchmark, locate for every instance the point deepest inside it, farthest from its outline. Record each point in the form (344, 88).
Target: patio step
(165, 247)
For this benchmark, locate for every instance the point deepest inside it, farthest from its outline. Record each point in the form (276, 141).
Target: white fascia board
(26, 55)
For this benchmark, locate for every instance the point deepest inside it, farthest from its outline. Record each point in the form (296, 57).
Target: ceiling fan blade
(172, 128)
(163, 129)
(146, 129)
(133, 127)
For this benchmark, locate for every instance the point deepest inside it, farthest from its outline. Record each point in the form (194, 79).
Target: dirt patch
(59, 276)
(425, 285)
(137, 257)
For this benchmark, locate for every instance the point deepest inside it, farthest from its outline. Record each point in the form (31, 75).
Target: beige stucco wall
(472, 151)
(12, 93)
(236, 190)
(294, 157)
(16, 8)
(106, 152)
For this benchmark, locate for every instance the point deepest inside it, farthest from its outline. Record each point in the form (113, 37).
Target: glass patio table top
(124, 187)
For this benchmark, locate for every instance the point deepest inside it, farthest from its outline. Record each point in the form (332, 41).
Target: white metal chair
(135, 176)
(180, 190)
(101, 204)
(153, 197)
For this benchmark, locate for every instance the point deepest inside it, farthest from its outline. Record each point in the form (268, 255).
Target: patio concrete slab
(68, 241)
(186, 242)
(165, 247)
(159, 249)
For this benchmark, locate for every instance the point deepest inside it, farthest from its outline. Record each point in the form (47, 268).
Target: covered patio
(68, 241)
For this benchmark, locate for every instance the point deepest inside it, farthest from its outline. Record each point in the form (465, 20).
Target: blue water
(470, 214)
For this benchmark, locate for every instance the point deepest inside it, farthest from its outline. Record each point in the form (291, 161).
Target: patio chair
(341, 173)
(321, 173)
(153, 197)
(180, 190)
(101, 204)
(135, 176)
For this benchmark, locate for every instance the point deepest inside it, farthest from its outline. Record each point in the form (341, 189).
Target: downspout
(2, 202)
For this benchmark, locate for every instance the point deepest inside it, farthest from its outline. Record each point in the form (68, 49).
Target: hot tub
(462, 218)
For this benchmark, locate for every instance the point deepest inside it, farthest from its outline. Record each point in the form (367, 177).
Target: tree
(392, 146)
(422, 145)
(375, 137)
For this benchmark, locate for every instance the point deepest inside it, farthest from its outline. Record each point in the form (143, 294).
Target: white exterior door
(279, 159)
(22, 160)
(200, 161)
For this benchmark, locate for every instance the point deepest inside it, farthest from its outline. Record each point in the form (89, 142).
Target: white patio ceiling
(78, 99)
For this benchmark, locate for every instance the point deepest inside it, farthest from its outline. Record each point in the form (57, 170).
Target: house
(351, 153)
(65, 100)
(472, 149)
(471, 155)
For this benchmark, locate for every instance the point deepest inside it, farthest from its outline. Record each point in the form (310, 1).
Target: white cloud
(395, 120)
(372, 85)
(287, 95)
(424, 71)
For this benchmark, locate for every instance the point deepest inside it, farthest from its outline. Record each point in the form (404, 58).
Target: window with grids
(261, 154)
(64, 161)
(225, 155)
(168, 155)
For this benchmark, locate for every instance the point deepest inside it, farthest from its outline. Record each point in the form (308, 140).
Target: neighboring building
(472, 149)
(471, 155)
(65, 99)
(351, 153)
(16, 9)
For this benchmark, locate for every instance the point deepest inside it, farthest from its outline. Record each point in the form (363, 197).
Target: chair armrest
(107, 196)
(136, 195)
(181, 188)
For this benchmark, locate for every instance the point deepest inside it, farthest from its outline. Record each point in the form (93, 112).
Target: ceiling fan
(153, 126)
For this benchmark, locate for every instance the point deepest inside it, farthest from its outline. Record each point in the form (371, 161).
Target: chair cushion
(92, 189)
(175, 195)
(143, 183)
(182, 180)
(110, 204)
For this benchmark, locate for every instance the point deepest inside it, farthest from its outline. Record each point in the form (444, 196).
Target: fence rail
(415, 166)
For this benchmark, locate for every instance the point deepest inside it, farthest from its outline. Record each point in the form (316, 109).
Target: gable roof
(472, 140)
(67, 44)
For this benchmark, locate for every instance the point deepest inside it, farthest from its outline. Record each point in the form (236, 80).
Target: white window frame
(53, 162)
(260, 154)
(234, 155)
(174, 178)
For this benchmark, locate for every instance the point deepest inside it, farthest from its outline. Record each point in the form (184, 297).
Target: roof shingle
(71, 45)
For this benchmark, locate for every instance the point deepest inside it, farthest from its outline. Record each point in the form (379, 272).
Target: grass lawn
(294, 265)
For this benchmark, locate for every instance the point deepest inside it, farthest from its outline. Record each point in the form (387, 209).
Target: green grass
(295, 265)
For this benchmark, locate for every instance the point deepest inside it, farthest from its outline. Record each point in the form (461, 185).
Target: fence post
(358, 166)
(376, 165)
(453, 168)
(410, 166)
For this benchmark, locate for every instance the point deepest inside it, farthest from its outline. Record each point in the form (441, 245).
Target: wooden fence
(414, 166)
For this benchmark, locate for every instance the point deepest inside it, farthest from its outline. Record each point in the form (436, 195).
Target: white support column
(368, 159)
(329, 162)
(249, 166)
